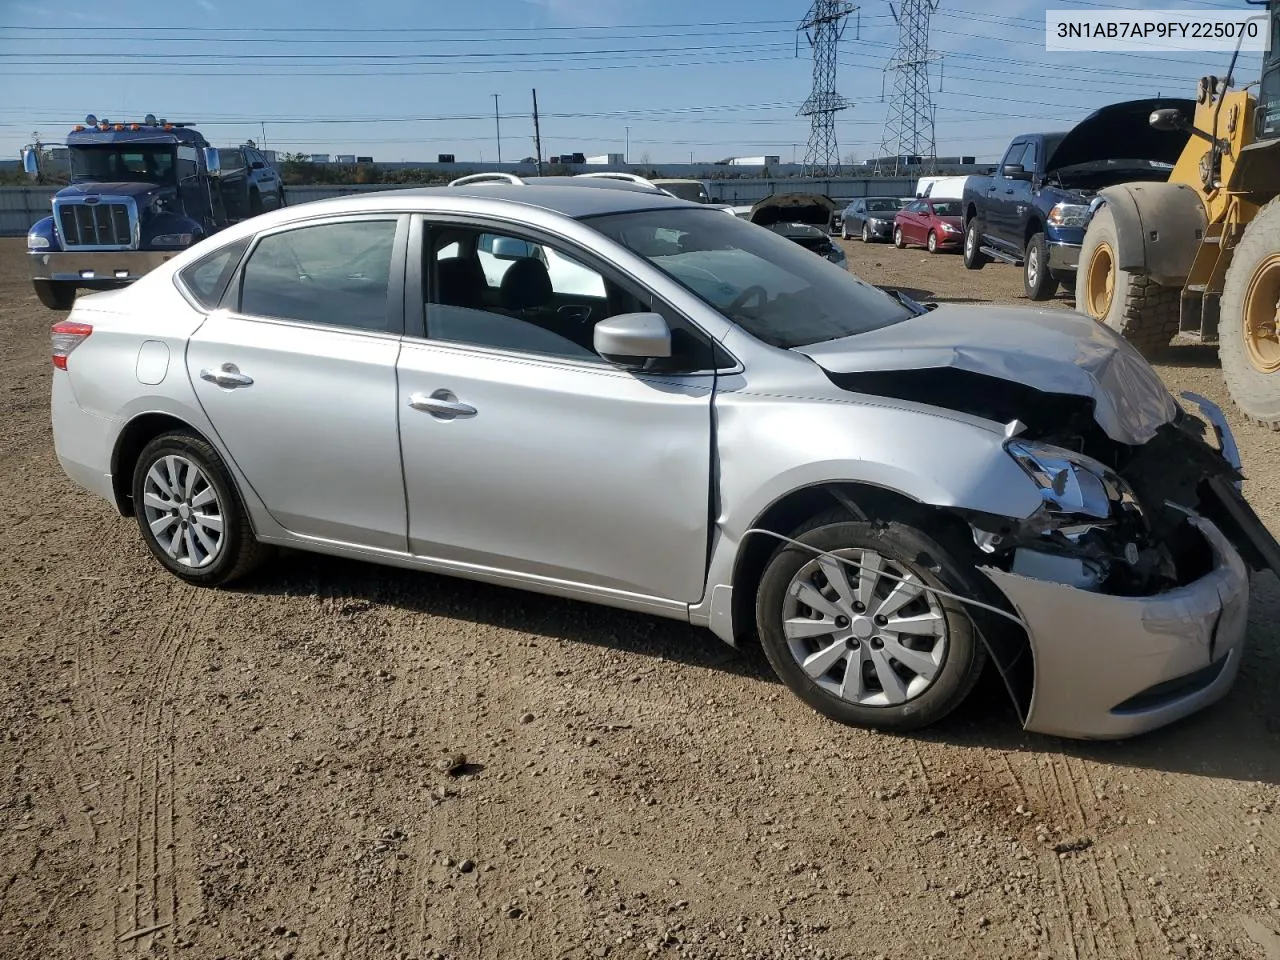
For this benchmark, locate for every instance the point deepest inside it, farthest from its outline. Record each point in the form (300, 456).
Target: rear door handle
(228, 376)
(442, 404)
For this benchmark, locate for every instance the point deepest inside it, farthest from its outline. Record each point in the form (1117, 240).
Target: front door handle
(228, 376)
(442, 404)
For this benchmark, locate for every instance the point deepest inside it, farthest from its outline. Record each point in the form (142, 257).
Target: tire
(844, 230)
(280, 199)
(55, 295)
(932, 242)
(904, 548)
(866, 233)
(1037, 282)
(255, 203)
(897, 238)
(1139, 309)
(974, 258)
(1251, 281)
(237, 551)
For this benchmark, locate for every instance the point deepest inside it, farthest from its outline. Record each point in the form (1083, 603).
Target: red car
(936, 224)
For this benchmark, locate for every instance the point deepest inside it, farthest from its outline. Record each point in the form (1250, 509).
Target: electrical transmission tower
(824, 25)
(908, 127)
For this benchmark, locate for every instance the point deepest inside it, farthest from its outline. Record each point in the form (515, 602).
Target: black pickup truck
(1033, 211)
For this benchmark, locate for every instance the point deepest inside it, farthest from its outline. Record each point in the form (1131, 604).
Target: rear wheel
(897, 238)
(974, 258)
(55, 295)
(1134, 306)
(189, 513)
(933, 242)
(854, 641)
(1037, 282)
(1249, 320)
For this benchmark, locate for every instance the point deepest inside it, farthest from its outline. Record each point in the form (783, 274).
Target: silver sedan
(596, 390)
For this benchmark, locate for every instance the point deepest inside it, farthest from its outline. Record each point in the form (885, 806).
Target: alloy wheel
(861, 634)
(183, 512)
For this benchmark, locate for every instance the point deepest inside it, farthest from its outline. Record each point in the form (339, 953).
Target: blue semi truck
(140, 193)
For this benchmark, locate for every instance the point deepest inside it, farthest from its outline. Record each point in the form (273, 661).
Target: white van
(941, 188)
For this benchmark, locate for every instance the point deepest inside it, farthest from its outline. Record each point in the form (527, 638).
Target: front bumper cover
(97, 269)
(1108, 667)
(1063, 257)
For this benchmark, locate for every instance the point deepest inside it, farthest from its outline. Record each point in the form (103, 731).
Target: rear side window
(336, 274)
(206, 279)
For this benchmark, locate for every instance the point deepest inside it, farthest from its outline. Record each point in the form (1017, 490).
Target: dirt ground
(254, 773)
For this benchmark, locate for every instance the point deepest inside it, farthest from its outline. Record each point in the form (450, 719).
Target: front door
(525, 452)
(298, 377)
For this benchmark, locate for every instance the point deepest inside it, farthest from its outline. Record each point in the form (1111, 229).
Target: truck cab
(140, 193)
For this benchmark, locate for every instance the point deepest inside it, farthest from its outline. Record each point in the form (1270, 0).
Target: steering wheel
(759, 293)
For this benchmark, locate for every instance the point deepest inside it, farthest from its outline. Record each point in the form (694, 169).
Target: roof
(569, 196)
(145, 134)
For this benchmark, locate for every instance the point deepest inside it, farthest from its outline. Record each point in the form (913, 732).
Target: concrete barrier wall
(22, 206)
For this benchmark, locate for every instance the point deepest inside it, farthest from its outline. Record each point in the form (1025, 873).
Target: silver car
(599, 391)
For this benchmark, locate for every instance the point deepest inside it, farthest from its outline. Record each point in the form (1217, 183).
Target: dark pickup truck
(1033, 211)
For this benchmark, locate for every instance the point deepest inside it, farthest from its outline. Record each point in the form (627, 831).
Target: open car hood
(813, 208)
(1120, 131)
(964, 357)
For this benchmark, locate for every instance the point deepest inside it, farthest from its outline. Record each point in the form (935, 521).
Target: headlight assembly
(1071, 484)
(1069, 215)
(37, 242)
(172, 240)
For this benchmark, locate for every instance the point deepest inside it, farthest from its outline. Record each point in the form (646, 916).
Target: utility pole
(497, 126)
(537, 134)
(626, 157)
(264, 134)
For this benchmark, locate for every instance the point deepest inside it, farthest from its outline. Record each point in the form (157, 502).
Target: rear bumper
(82, 442)
(1063, 257)
(97, 269)
(1109, 667)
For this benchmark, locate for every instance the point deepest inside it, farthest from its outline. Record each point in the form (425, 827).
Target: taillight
(66, 336)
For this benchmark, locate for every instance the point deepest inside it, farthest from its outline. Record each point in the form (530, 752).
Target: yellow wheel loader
(1199, 254)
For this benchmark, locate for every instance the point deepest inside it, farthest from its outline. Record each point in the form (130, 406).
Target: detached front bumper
(97, 269)
(1108, 667)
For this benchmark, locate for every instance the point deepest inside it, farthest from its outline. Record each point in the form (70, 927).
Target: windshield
(946, 208)
(687, 191)
(882, 206)
(136, 163)
(776, 290)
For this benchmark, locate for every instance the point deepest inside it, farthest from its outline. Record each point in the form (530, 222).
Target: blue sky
(408, 79)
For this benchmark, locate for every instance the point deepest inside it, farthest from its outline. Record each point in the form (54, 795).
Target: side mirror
(1014, 171)
(509, 248)
(257, 165)
(30, 162)
(631, 339)
(1166, 121)
(212, 162)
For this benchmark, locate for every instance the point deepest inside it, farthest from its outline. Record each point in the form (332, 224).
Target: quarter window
(207, 278)
(337, 274)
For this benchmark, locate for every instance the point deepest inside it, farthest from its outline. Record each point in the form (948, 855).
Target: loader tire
(1132, 304)
(1248, 341)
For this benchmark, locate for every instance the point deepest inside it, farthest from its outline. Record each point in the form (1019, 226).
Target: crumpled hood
(1048, 350)
(124, 188)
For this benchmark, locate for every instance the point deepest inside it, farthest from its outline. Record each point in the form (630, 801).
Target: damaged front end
(1129, 577)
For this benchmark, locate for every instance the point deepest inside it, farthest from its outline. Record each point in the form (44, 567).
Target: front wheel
(974, 258)
(54, 294)
(933, 242)
(897, 238)
(189, 513)
(865, 642)
(844, 230)
(866, 233)
(1249, 320)
(1037, 282)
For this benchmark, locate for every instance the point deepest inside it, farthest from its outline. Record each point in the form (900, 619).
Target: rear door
(297, 373)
